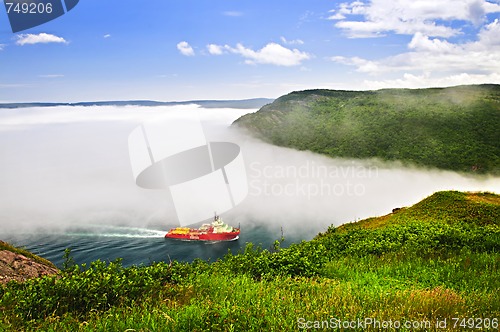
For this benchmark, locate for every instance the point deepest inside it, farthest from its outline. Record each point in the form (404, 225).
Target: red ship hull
(205, 236)
(216, 231)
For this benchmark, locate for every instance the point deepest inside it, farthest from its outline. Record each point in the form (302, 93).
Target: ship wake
(116, 231)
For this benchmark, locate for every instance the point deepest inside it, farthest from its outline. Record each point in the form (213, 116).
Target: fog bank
(67, 166)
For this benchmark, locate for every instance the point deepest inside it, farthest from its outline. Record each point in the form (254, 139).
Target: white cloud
(363, 65)
(423, 43)
(51, 76)
(215, 49)
(272, 53)
(41, 38)
(409, 16)
(232, 13)
(14, 86)
(2, 47)
(107, 35)
(336, 15)
(185, 48)
(292, 42)
(489, 36)
(438, 56)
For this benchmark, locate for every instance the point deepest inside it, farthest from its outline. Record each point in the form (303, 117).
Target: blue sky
(234, 49)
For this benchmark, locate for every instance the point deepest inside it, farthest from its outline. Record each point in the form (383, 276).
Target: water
(135, 245)
(66, 182)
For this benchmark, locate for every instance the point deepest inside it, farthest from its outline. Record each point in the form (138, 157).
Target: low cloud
(70, 166)
(412, 81)
(185, 48)
(41, 38)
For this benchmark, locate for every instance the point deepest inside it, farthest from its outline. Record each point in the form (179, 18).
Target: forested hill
(454, 128)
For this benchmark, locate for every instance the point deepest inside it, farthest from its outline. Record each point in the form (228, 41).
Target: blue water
(137, 246)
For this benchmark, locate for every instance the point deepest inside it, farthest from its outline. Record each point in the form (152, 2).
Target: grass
(436, 260)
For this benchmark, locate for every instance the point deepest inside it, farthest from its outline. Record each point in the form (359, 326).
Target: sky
(172, 50)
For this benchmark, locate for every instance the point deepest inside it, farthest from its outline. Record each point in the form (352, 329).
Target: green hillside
(421, 265)
(449, 128)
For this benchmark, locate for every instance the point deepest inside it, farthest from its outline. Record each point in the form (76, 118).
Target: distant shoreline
(240, 104)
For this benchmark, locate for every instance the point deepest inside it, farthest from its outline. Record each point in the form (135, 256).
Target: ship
(216, 231)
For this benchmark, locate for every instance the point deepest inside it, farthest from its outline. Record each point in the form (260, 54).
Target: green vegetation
(447, 128)
(437, 259)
